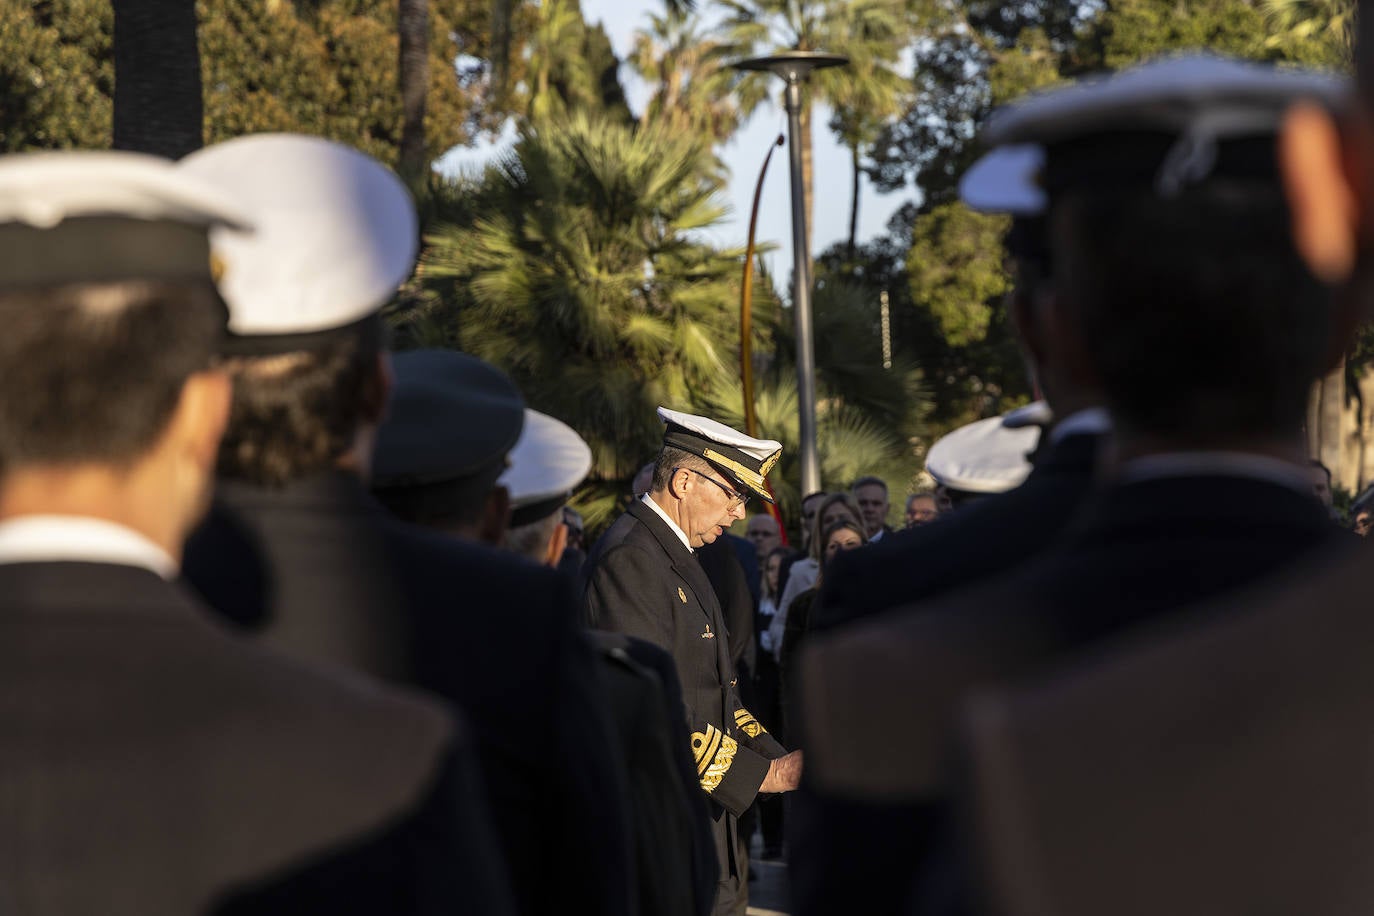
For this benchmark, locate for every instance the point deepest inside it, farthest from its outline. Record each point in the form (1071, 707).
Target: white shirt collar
(56, 538)
(1229, 464)
(671, 524)
(1093, 421)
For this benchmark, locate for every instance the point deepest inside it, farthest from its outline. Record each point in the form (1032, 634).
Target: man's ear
(201, 415)
(679, 483)
(557, 544)
(377, 391)
(1322, 172)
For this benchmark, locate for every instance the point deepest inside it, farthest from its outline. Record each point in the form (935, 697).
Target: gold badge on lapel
(681, 594)
(708, 634)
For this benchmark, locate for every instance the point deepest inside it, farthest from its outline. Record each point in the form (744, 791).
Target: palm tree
(695, 89)
(157, 98)
(412, 27)
(572, 265)
(871, 32)
(1313, 32)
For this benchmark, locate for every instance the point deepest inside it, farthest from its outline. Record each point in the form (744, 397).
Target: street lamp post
(794, 67)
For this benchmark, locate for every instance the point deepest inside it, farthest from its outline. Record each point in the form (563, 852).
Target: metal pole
(801, 294)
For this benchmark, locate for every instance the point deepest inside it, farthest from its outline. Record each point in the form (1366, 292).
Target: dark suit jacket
(1216, 769)
(970, 546)
(642, 581)
(343, 581)
(1142, 550)
(720, 560)
(154, 764)
(973, 544)
(675, 860)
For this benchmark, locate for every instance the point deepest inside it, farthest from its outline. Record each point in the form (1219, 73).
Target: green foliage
(572, 67)
(694, 87)
(1317, 33)
(570, 265)
(1130, 31)
(327, 68)
(56, 74)
(955, 268)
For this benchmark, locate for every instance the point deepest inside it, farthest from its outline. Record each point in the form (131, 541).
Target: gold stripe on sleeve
(705, 746)
(721, 765)
(746, 722)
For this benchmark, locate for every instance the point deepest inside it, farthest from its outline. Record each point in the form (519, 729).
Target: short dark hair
(1199, 315)
(297, 413)
(671, 458)
(919, 494)
(869, 481)
(94, 371)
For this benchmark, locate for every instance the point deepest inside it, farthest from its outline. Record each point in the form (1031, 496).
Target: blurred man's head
(1177, 286)
(1006, 181)
(921, 509)
(113, 407)
(1321, 482)
(871, 495)
(810, 503)
(762, 532)
(548, 462)
(337, 233)
(441, 454)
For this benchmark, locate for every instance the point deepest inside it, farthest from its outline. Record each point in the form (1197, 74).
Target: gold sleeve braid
(714, 752)
(745, 721)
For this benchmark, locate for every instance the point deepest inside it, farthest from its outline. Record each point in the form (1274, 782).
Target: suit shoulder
(430, 554)
(326, 712)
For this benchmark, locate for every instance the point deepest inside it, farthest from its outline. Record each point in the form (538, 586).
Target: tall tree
(871, 31)
(412, 29)
(157, 91)
(572, 264)
(694, 87)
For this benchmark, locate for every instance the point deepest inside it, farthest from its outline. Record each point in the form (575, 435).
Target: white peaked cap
(744, 458)
(1006, 180)
(1036, 413)
(337, 232)
(983, 457)
(43, 189)
(547, 463)
(73, 217)
(1168, 94)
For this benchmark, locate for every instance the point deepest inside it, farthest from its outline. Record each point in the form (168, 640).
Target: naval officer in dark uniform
(643, 580)
(154, 762)
(296, 537)
(1179, 285)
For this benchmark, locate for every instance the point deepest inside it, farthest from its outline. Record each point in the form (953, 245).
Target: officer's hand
(784, 773)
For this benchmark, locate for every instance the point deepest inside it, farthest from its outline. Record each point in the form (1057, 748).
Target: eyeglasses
(736, 499)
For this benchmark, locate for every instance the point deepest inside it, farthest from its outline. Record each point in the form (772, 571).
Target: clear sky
(744, 155)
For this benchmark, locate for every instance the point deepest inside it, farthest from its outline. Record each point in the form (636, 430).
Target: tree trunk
(157, 97)
(412, 18)
(853, 203)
